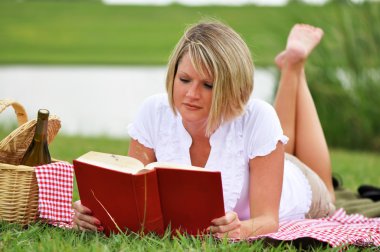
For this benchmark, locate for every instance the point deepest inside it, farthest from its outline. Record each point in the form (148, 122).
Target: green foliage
(345, 81)
(89, 32)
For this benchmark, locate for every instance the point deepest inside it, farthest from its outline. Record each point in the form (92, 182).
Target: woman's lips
(192, 106)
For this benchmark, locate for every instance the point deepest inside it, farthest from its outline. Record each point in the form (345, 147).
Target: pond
(93, 100)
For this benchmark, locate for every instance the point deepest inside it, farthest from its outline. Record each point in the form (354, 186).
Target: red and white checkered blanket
(55, 183)
(339, 229)
(55, 192)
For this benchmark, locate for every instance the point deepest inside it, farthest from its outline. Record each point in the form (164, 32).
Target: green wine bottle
(38, 151)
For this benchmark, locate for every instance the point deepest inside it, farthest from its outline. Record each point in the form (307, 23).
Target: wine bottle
(38, 151)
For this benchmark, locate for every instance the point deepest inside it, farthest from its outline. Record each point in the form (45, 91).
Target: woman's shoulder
(154, 108)
(160, 99)
(257, 109)
(257, 105)
(156, 104)
(261, 128)
(260, 118)
(153, 113)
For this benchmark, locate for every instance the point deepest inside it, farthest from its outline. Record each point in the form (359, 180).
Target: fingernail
(101, 228)
(97, 222)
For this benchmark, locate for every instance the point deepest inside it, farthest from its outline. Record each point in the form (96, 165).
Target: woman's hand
(227, 226)
(83, 220)
(230, 226)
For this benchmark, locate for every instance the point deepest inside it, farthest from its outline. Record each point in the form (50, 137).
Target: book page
(111, 161)
(173, 165)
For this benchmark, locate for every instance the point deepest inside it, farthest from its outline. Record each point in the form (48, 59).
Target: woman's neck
(200, 147)
(196, 130)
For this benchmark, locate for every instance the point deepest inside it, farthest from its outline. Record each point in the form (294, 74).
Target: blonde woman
(207, 119)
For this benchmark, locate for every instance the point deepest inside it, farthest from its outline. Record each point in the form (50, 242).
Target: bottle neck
(40, 134)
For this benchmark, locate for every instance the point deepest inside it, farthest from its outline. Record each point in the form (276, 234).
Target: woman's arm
(144, 154)
(265, 185)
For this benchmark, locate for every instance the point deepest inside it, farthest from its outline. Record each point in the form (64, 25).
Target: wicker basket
(18, 183)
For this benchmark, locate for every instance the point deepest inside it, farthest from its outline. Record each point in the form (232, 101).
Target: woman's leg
(295, 106)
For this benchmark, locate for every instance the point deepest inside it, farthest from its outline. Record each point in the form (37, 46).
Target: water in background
(93, 100)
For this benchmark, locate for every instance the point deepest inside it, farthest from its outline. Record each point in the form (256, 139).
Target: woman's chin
(194, 121)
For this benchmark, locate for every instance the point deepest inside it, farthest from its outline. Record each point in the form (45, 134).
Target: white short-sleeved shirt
(254, 133)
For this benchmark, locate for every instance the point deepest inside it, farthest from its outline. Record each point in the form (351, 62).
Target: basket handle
(22, 117)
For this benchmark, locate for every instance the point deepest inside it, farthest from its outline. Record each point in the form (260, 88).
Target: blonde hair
(217, 51)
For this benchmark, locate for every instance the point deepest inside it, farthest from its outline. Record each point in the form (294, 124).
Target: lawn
(88, 32)
(354, 167)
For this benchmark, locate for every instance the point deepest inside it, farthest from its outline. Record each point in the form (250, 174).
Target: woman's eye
(184, 80)
(208, 86)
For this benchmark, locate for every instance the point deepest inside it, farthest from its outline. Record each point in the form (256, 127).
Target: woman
(207, 120)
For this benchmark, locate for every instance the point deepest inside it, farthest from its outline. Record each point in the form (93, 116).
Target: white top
(254, 133)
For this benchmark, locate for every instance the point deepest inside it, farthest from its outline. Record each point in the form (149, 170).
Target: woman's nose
(193, 91)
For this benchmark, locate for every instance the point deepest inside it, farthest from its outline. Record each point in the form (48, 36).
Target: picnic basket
(18, 183)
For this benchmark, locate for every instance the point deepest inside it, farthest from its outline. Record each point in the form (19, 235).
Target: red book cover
(190, 199)
(119, 200)
(128, 197)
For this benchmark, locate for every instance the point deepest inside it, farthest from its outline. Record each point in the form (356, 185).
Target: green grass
(44, 238)
(80, 145)
(354, 167)
(88, 32)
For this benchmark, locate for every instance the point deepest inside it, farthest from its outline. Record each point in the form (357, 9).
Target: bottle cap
(43, 114)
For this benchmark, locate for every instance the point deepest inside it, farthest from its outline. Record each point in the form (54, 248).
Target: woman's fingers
(84, 220)
(229, 223)
(226, 219)
(80, 208)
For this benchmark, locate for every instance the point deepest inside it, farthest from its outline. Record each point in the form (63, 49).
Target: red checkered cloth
(55, 192)
(337, 230)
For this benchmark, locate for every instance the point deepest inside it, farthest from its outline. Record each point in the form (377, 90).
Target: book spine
(148, 202)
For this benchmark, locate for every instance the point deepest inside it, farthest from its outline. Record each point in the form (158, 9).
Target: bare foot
(302, 40)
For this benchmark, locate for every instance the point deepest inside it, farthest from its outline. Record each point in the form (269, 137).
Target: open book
(126, 196)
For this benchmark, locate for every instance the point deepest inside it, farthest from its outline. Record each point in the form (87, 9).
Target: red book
(128, 197)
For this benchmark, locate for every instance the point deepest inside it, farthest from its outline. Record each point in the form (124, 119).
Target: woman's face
(192, 94)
